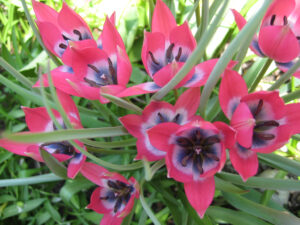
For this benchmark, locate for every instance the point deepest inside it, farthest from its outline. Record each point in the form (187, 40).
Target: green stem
(20, 77)
(113, 144)
(260, 75)
(146, 207)
(29, 180)
(194, 57)
(204, 17)
(285, 76)
(248, 30)
(151, 10)
(291, 96)
(195, 6)
(37, 34)
(109, 151)
(197, 13)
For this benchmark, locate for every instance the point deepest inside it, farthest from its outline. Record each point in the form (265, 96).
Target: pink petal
(70, 108)
(154, 43)
(112, 90)
(160, 135)
(189, 101)
(93, 172)
(163, 20)
(96, 203)
(144, 88)
(132, 123)
(165, 74)
(111, 220)
(239, 19)
(243, 122)
(146, 151)
(124, 67)
(286, 66)
(278, 43)
(244, 161)
(52, 40)
(151, 111)
(111, 38)
(38, 120)
(200, 194)
(15, 147)
(69, 21)
(187, 41)
(227, 133)
(44, 13)
(75, 165)
(293, 117)
(230, 97)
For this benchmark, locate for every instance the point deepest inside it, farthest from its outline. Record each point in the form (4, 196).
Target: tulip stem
(204, 16)
(196, 6)
(197, 13)
(260, 75)
(291, 96)
(151, 10)
(37, 34)
(285, 76)
(248, 30)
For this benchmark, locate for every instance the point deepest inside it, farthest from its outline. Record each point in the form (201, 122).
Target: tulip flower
(115, 195)
(91, 69)
(38, 120)
(58, 28)
(278, 37)
(160, 112)
(263, 123)
(194, 153)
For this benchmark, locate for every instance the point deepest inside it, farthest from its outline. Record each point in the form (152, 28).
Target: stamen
(258, 108)
(185, 159)
(211, 140)
(63, 46)
(77, 32)
(93, 68)
(112, 185)
(169, 53)
(212, 156)
(266, 137)
(285, 21)
(273, 19)
(269, 123)
(104, 198)
(112, 71)
(118, 205)
(184, 142)
(178, 54)
(198, 160)
(91, 82)
(175, 119)
(153, 58)
(161, 118)
(65, 38)
(298, 37)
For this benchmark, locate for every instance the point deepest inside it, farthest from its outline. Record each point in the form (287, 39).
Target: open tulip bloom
(279, 33)
(175, 142)
(115, 195)
(38, 120)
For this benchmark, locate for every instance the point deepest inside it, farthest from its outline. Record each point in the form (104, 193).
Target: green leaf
(54, 165)
(283, 163)
(233, 217)
(67, 134)
(228, 187)
(53, 212)
(271, 215)
(262, 182)
(7, 198)
(16, 209)
(72, 187)
(29, 180)
(112, 144)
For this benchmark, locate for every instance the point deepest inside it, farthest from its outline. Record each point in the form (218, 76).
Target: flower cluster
(194, 149)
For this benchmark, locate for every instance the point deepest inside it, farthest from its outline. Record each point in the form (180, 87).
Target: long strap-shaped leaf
(69, 134)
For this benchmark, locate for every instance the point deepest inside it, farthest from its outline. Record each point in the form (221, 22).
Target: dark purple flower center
(79, 36)
(119, 192)
(170, 55)
(163, 118)
(262, 127)
(273, 18)
(197, 148)
(103, 76)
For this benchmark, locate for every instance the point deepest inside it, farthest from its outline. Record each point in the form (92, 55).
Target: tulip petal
(144, 88)
(110, 219)
(200, 194)
(96, 203)
(15, 147)
(243, 122)
(132, 123)
(244, 161)
(163, 20)
(230, 97)
(189, 101)
(286, 66)
(160, 135)
(278, 43)
(227, 134)
(75, 165)
(93, 172)
(293, 117)
(43, 12)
